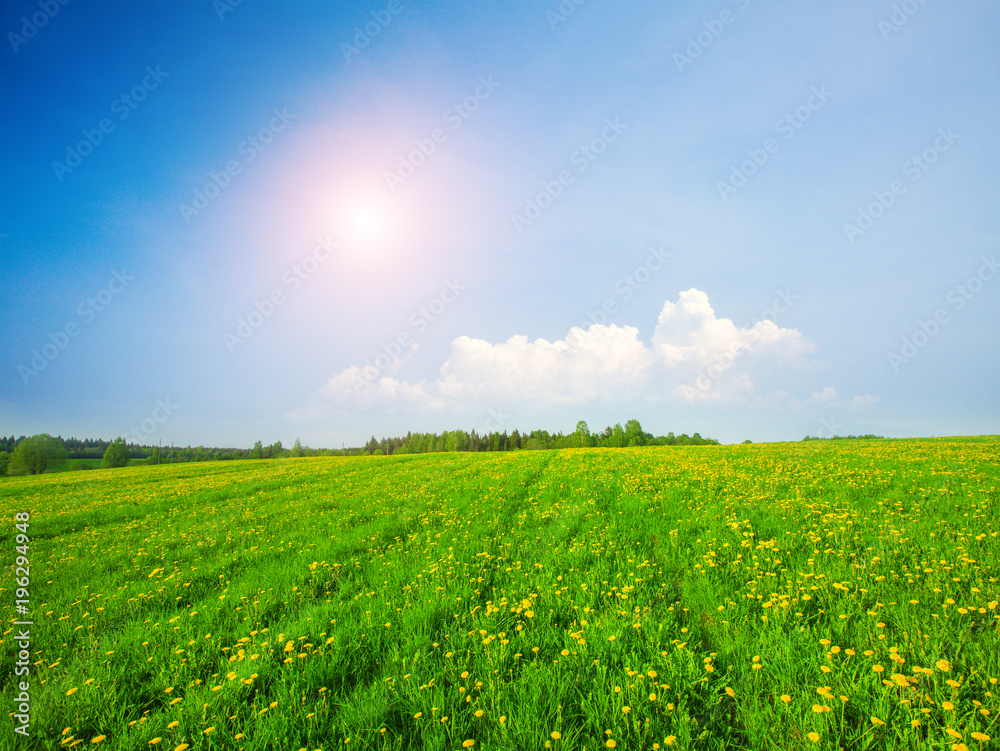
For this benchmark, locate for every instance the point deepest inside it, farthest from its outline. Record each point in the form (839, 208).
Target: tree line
(45, 453)
(866, 437)
(460, 440)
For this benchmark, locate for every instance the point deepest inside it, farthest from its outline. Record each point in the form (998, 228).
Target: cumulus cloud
(692, 354)
(860, 402)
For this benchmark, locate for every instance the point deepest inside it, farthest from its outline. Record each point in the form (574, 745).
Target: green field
(803, 595)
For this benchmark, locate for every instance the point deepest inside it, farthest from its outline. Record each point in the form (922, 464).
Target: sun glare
(366, 223)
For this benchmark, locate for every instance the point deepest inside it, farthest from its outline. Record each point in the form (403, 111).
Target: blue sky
(223, 223)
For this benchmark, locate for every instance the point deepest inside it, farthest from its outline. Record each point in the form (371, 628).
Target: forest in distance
(43, 453)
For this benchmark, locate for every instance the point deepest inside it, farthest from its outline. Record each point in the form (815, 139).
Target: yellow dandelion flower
(730, 692)
(652, 697)
(626, 710)
(71, 692)
(671, 740)
(207, 731)
(611, 744)
(814, 737)
(876, 721)
(479, 713)
(155, 741)
(565, 653)
(947, 706)
(182, 747)
(878, 669)
(503, 719)
(468, 744)
(981, 737)
(555, 735)
(953, 733)
(172, 725)
(943, 665)
(786, 698)
(98, 738)
(418, 715)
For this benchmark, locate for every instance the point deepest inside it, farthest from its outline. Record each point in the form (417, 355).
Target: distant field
(804, 595)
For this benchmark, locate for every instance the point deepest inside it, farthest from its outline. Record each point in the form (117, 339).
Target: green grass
(325, 603)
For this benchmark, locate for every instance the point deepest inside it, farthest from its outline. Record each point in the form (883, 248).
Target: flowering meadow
(828, 594)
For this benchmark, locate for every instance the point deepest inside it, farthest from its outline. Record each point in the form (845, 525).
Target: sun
(365, 226)
(366, 223)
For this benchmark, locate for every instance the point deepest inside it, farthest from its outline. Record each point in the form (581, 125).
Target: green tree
(582, 434)
(633, 434)
(36, 454)
(297, 448)
(116, 454)
(4, 462)
(258, 450)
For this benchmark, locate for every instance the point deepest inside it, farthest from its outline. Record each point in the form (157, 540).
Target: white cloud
(860, 402)
(692, 354)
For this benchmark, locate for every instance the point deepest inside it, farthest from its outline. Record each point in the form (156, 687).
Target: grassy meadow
(829, 594)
